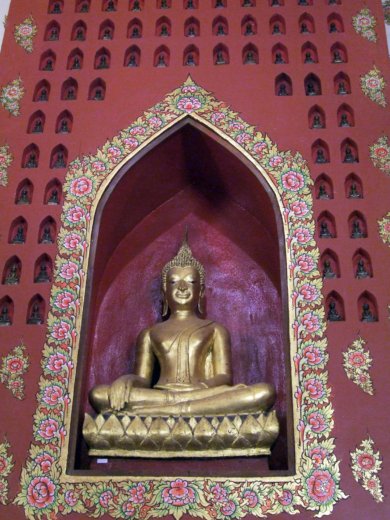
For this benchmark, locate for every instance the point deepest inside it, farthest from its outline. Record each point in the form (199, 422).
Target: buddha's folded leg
(99, 398)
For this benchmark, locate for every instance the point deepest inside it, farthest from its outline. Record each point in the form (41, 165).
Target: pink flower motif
(362, 379)
(12, 92)
(189, 104)
(309, 292)
(317, 422)
(243, 138)
(274, 161)
(373, 83)
(228, 508)
(321, 486)
(137, 130)
(75, 214)
(3, 465)
(45, 461)
(381, 151)
(303, 235)
(318, 455)
(48, 429)
(131, 141)
(137, 493)
(60, 330)
(81, 186)
(128, 509)
(315, 388)
(305, 263)
(251, 498)
(178, 493)
(72, 241)
(310, 322)
(299, 208)
(105, 497)
(357, 359)
(189, 89)
(70, 498)
(15, 365)
(56, 362)
(53, 395)
(216, 117)
(155, 122)
(64, 300)
(236, 125)
(25, 30)
(364, 21)
(99, 166)
(293, 181)
(313, 355)
(41, 492)
(259, 148)
(219, 493)
(286, 498)
(68, 270)
(366, 461)
(114, 152)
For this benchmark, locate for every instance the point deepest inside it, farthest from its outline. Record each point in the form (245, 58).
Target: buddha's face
(183, 289)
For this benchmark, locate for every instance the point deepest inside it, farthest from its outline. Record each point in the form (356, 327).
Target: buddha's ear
(165, 305)
(201, 300)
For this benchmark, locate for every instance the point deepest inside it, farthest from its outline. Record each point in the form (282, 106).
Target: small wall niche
(250, 55)
(316, 118)
(161, 57)
(342, 84)
(12, 271)
(75, 60)
(30, 156)
(134, 29)
(279, 54)
(106, 30)
(361, 265)
(248, 26)
(36, 311)
(132, 57)
(334, 307)
(69, 90)
(18, 231)
(326, 225)
(79, 31)
(53, 193)
(221, 55)
(43, 269)
(320, 152)
(97, 90)
(367, 308)
(64, 123)
(349, 151)
(309, 53)
(47, 231)
(191, 56)
(36, 123)
(357, 226)
(338, 53)
(335, 23)
(353, 187)
(55, 7)
(52, 31)
(192, 28)
(312, 85)
(345, 116)
(24, 192)
(59, 157)
(306, 24)
(47, 61)
(283, 85)
(323, 187)
(42, 91)
(329, 264)
(83, 6)
(6, 311)
(102, 59)
(220, 26)
(277, 25)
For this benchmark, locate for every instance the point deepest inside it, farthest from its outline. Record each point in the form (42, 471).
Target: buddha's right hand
(119, 393)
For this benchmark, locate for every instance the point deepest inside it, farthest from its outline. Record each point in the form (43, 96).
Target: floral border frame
(46, 489)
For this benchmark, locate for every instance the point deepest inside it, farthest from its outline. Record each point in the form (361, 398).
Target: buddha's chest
(192, 340)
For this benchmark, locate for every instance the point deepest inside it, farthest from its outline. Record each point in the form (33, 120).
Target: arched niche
(335, 23)
(24, 192)
(75, 60)
(97, 90)
(279, 54)
(323, 187)
(361, 265)
(64, 122)
(309, 53)
(205, 183)
(36, 123)
(357, 225)
(191, 56)
(334, 307)
(52, 32)
(18, 231)
(277, 25)
(283, 85)
(47, 231)
(42, 91)
(349, 151)
(106, 30)
(12, 271)
(191, 27)
(136, 5)
(329, 264)
(190, 4)
(163, 27)
(345, 116)
(367, 308)
(47, 61)
(79, 31)
(250, 55)
(134, 29)
(43, 269)
(316, 117)
(36, 310)
(320, 152)
(6, 311)
(30, 158)
(353, 187)
(342, 84)
(132, 56)
(82, 6)
(326, 225)
(59, 157)
(221, 55)
(248, 26)
(306, 24)
(55, 7)
(312, 85)
(69, 90)
(161, 57)
(220, 26)
(338, 53)
(102, 59)
(53, 193)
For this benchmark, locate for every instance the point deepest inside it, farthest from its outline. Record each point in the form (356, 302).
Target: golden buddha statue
(195, 383)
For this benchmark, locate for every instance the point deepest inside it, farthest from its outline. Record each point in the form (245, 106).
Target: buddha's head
(183, 281)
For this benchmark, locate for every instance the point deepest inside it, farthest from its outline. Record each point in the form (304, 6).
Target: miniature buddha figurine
(23, 197)
(353, 192)
(107, 34)
(308, 58)
(333, 314)
(327, 271)
(324, 230)
(60, 161)
(56, 8)
(356, 230)
(54, 34)
(48, 65)
(332, 27)
(221, 30)
(322, 193)
(102, 62)
(190, 4)
(219, 3)
(35, 316)
(337, 57)
(42, 276)
(249, 58)
(12, 277)
(19, 237)
(80, 34)
(220, 60)
(84, 8)
(164, 31)
(341, 90)
(132, 61)
(5, 319)
(320, 156)
(161, 61)
(191, 31)
(70, 94)
(367, 315)
(135, 33)
(164, 4)
(247, 3)
(248, 29)
(361, 271)
(310, 90)
(302, 2)
(38, 127)
(344, 120)
(98, 95)
(190, 62)
(278, 58)
(304, 28)
(53, 199)
(110, 6)
(193, 356)
(64, 128)
(276, 28)
(136, 6)
(349, 157)
(43, 96)
(32, 161)
(282, 90)
(317, 123)
(46, 236)
(275, 3)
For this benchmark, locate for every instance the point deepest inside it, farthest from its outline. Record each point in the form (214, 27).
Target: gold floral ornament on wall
(48, 489)
(6, 159)
(13, 366)
(6, 466)
(373, 85)
(357, 362)
(380, 154)
(364, 24)
(11, 96)
(24, 34)
(365, 465)
(384, 228)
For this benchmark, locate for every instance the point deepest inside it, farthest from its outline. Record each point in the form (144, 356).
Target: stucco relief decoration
(364, 24)
(12, 369)
(6, 466)
(380, 154)
(384, 228)
(357, 363)
(373, 85)
(25, 33)
(316, 486)
(6, 159)
(366, 464)
(11, 96)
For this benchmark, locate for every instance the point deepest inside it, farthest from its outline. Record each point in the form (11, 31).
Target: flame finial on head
(184, 258)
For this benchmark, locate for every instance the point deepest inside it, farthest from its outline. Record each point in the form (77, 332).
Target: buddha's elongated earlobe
(201, 300)
(165, 307)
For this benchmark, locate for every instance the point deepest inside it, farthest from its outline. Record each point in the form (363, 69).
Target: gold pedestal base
(184, 436)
